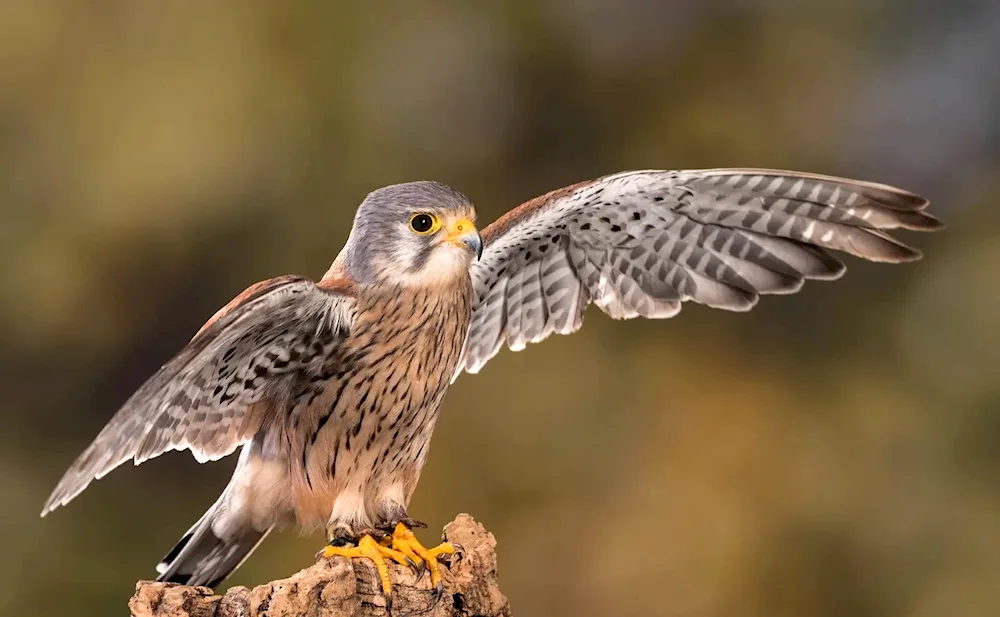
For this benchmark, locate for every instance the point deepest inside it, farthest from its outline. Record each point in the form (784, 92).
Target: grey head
(412, 234)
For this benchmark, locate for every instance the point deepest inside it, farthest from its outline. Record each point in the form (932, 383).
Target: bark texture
(342, 588)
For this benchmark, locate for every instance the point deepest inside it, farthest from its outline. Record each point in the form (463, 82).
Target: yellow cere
(460, 227)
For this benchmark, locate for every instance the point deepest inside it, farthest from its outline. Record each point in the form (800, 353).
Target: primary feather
(204, 398)
(638, 244)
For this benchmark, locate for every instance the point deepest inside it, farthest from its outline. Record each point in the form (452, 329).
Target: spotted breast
(358, 432)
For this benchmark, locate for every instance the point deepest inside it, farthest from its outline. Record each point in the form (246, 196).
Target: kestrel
(331, 389)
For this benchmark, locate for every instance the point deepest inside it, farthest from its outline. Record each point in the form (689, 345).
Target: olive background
(832, 453)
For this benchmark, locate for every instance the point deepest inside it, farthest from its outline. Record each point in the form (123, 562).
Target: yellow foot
(378, 553)
(403, 542)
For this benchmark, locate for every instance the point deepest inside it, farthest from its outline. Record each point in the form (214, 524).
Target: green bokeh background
(831, 454)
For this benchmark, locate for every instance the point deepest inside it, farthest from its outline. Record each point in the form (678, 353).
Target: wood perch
(342, 588)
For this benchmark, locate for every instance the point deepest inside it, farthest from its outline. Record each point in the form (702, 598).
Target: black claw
(331, 542)
(387, 528)
(388, 602)
(413, 524)
(319, 554)
(458, 555)
(421, 569)
(439, 590)
(377, 534)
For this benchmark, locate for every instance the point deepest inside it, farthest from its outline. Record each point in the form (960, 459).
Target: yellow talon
(403, 548)
(404, 541)
(377, 553)
(445, 548)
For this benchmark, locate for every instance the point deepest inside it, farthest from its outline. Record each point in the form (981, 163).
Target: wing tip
(901, 198)
(56, 500)
(738, 303)
(913, 221)
(929, 222)
(906, 254)
(887, 249)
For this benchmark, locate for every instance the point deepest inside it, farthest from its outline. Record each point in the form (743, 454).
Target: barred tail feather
(202, 557)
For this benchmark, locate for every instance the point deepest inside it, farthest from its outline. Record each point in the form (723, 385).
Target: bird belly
(362, 478)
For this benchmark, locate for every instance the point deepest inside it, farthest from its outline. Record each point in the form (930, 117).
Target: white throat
(446, 265)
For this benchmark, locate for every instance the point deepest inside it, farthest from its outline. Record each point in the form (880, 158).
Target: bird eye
(423, 223)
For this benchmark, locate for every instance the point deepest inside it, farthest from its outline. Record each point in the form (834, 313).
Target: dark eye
(423, 223)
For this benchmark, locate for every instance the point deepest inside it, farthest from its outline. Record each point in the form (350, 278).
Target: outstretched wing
(212, 396)
(639, 243)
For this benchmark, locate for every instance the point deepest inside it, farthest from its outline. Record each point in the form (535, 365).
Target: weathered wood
(342, 588)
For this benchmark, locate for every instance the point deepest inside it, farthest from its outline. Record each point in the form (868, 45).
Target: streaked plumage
(332, 389)
(639, 243)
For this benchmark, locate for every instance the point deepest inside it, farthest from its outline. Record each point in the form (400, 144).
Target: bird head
(413, 234)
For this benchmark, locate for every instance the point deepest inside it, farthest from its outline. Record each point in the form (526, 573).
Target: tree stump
(340, 588)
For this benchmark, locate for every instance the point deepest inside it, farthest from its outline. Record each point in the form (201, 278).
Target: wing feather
(215, 393)
(640, 243)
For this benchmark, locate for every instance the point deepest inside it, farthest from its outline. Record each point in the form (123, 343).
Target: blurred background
(831, 453)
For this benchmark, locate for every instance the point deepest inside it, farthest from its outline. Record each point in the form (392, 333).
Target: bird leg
(407, 521)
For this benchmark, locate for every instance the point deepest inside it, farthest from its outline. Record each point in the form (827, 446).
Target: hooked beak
(463, 232)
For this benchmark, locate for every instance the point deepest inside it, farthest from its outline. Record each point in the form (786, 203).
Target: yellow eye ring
(423, 223)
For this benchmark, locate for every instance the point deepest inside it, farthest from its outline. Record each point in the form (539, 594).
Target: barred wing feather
(639, 243)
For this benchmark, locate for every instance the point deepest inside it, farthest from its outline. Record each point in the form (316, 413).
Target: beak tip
(477, 247)
(465, 233)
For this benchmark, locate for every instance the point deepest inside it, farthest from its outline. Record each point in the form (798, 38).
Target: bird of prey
(331, 389)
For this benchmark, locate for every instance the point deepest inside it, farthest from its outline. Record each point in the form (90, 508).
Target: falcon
(331, 389)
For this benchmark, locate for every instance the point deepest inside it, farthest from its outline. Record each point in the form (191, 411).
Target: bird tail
(202, 557)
